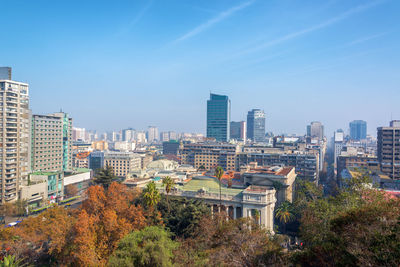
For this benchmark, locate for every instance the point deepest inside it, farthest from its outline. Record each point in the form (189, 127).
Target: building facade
(239, 130)
(123, 163)
(358, 130)
(128, 135)
(389, 149)
(256, 125)
(306, 164)
(236, 203)
(51, 142)
(315, 129)
(171, 147)
(218, 117)
(15, 140)
(152, 134)
(209, 155)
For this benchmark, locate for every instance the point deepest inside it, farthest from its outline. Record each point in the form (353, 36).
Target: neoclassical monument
(236, 202)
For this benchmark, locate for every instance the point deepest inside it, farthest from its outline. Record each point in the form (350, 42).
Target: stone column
(234, 212)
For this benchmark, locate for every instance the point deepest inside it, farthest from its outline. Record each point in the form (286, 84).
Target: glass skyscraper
(256, 125)
(358, 130)
(218, 117)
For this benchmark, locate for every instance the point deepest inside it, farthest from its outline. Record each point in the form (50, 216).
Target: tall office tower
(389, 149)
(78, 134)
(315, 129)
(152, 134)
(5, 73)
(128, 134)
(338, 139)
(15, 140)
(51, 142)
(256, 125)
(358, 130)
(219, 117)
(164, 136)
(173, 135)
(238, 130)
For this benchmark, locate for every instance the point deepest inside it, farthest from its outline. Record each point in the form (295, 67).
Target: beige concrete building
(209, 155)
(51, 142)
(123, 163)
(100, 145)
(14, 134)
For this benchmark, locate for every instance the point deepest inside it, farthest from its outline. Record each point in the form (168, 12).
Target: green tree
(151, 246)
(219, 172)
(105, 177)
(169, 184)
(151, 195)
(184, 216)
(285, 213)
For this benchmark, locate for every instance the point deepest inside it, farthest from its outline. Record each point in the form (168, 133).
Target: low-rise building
(210, 155)
(236, 203)
(281, 178)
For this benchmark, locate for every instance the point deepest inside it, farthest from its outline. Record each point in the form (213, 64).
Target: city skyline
(140, 63)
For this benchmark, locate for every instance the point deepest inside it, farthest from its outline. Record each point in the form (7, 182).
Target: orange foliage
(111, 215)
(84, 237)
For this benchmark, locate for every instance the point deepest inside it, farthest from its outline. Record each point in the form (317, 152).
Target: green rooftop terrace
(209, 184)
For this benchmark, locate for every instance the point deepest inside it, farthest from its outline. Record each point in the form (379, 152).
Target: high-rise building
(173, 135)
(5, 73)
(164, 136)
(218, 117)
(256, 125)
(128, 135)
(358, 130)
(389, 149)
(338, 143)
(51, 142)
(141, 137)
(238, 130)
(315, 129)
(78, 134)
(152, 134)
(15, 139)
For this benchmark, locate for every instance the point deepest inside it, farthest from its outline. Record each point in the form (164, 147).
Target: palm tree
(169, 184)
(218, 173)
(285, 213)
(151, 196)
(105, 177)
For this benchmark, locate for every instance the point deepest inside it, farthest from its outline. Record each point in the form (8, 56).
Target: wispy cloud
(128, 27)
(311, 29)
(365, 39)
(221, 16)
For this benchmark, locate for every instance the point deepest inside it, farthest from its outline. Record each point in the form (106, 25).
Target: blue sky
(119, 64)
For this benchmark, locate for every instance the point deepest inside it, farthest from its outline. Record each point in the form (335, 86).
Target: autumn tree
(71, 190)
(107, 216)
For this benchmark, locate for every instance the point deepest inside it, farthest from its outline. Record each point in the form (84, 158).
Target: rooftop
(209, 184)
